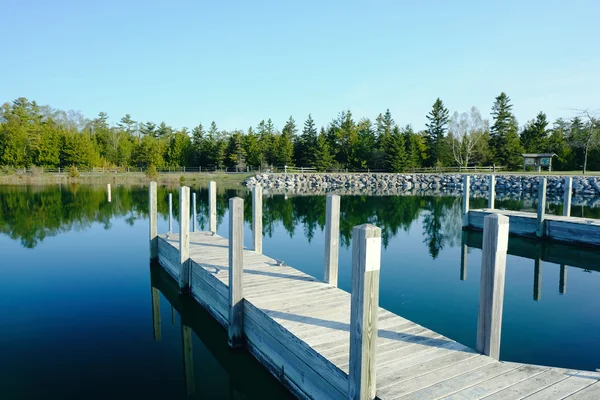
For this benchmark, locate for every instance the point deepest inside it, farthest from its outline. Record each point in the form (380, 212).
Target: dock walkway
(299, 328)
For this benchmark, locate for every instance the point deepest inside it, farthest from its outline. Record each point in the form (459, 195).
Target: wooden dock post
(194, 214)
(366, 259)
(152, 210)
(567, 196)
(562, 283)
(466, 193)
(541, 208)
(236, 272)
(184, 239)
(492, 191)
(108, 192)
(170, 213)
(257, 218)
(332, 239)
(212, 206)
(156, 314)
(491, 289)
(537, 279)
(463, 256)
(188, 359)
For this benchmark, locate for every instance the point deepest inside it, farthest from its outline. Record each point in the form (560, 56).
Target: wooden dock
(316, 339)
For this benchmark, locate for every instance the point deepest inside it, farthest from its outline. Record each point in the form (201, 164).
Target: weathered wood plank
(236, 275)
(541, 208)
(184, 238)
(529, 386)
(565, 387)
(153, 212)
(257, 224)
(212, 206)
(568, 191)
(332, 239)
(491, 191)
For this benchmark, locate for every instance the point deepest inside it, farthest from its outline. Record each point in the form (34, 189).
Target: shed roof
(538, 155)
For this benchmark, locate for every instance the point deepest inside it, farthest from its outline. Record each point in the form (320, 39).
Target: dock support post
(466, 193)
(236, 272)
(562, 283)
(212, 206)
(194, 214)
(108, 192)
(257, 218)
(491, 289)
(541, 208)
(156, 314)
(152, 210)
(184, 239)
(332, 239)
(567, 196)
(463, 256)
(537, 279)
(366, 259)
(188, 359)
(170, 212)
(492, 192)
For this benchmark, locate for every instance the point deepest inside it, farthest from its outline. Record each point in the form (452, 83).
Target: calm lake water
(75, 293)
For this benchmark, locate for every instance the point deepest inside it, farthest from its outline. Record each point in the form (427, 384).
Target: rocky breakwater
(390, 183)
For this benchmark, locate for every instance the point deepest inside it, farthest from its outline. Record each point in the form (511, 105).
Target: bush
(182, 180)
(152, 172)
(73, 172)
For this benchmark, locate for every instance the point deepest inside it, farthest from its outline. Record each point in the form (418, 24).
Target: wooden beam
(236, 272)
(332, 239)
(194, 214)
(153, 211)
(257, 218)
(212, 206)
(541, 208)
(156, 314)
(188, 360)
(184, 239)
(170, 212)
(567, 196)
(491, 289)
(465, 204)
(491, 191)
(366, 259)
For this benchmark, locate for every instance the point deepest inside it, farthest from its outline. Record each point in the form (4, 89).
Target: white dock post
(194, 214)
(332, 239)
(562, 283)
(152, 210)
(236, 272)
(156, 314)
(212, 206)
(491, 289)
(366, 258)
(567, 196)
(108, 192)
(170, 212)
(492, 191)
(188, 359)
(466, 193)
(257, 218)
(184, 239)
(541, 208)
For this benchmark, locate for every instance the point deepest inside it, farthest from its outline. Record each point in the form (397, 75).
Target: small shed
(537, 161)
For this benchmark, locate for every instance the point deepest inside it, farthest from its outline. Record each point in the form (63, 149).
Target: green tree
(534, 136)
(252, 149)
(128, 125)
(504, 138)
(236, 154)
(395, 154)
(437, 147)
(323, 156)
(305, 152)
(285, 144)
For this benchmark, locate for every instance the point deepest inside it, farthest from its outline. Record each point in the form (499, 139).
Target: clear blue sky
(240, 62)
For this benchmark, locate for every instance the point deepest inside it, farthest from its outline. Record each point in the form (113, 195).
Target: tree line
(35, 135)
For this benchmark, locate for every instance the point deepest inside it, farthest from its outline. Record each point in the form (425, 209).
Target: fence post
(366, 258)
(212, 206)
(236, 272)
(567, 196)
(194, 214)
(170, 213)
(491, 287)
(466, 193)
(492, 191)
(541, 208)
(108, 192)
(152, 210)
(184, 239)
(332, 239)
(257, 218)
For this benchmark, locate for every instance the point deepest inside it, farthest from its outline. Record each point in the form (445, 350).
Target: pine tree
(236, 154)
(285, 144)
(395, 155)
(252, 149)
(323, 156)
(534, 137)
(437, 149)
(307, 144)
(128, 124)
(504, 138)
(198, 156)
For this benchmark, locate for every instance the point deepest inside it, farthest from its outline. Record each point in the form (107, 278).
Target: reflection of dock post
(541, 207)
(184, 239)
(366, 259)
(236, 271)
(332, 239)
(491, 290)
(492, 191)
(152, 210)
(170, 213)
(537, 279)
(212, 206)
(562, 283)
(108, 192)
(188, 359)
(567, 196)
(463, 257)
(257, 218)
(194, 214)
(156, 314)
(465, 205)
